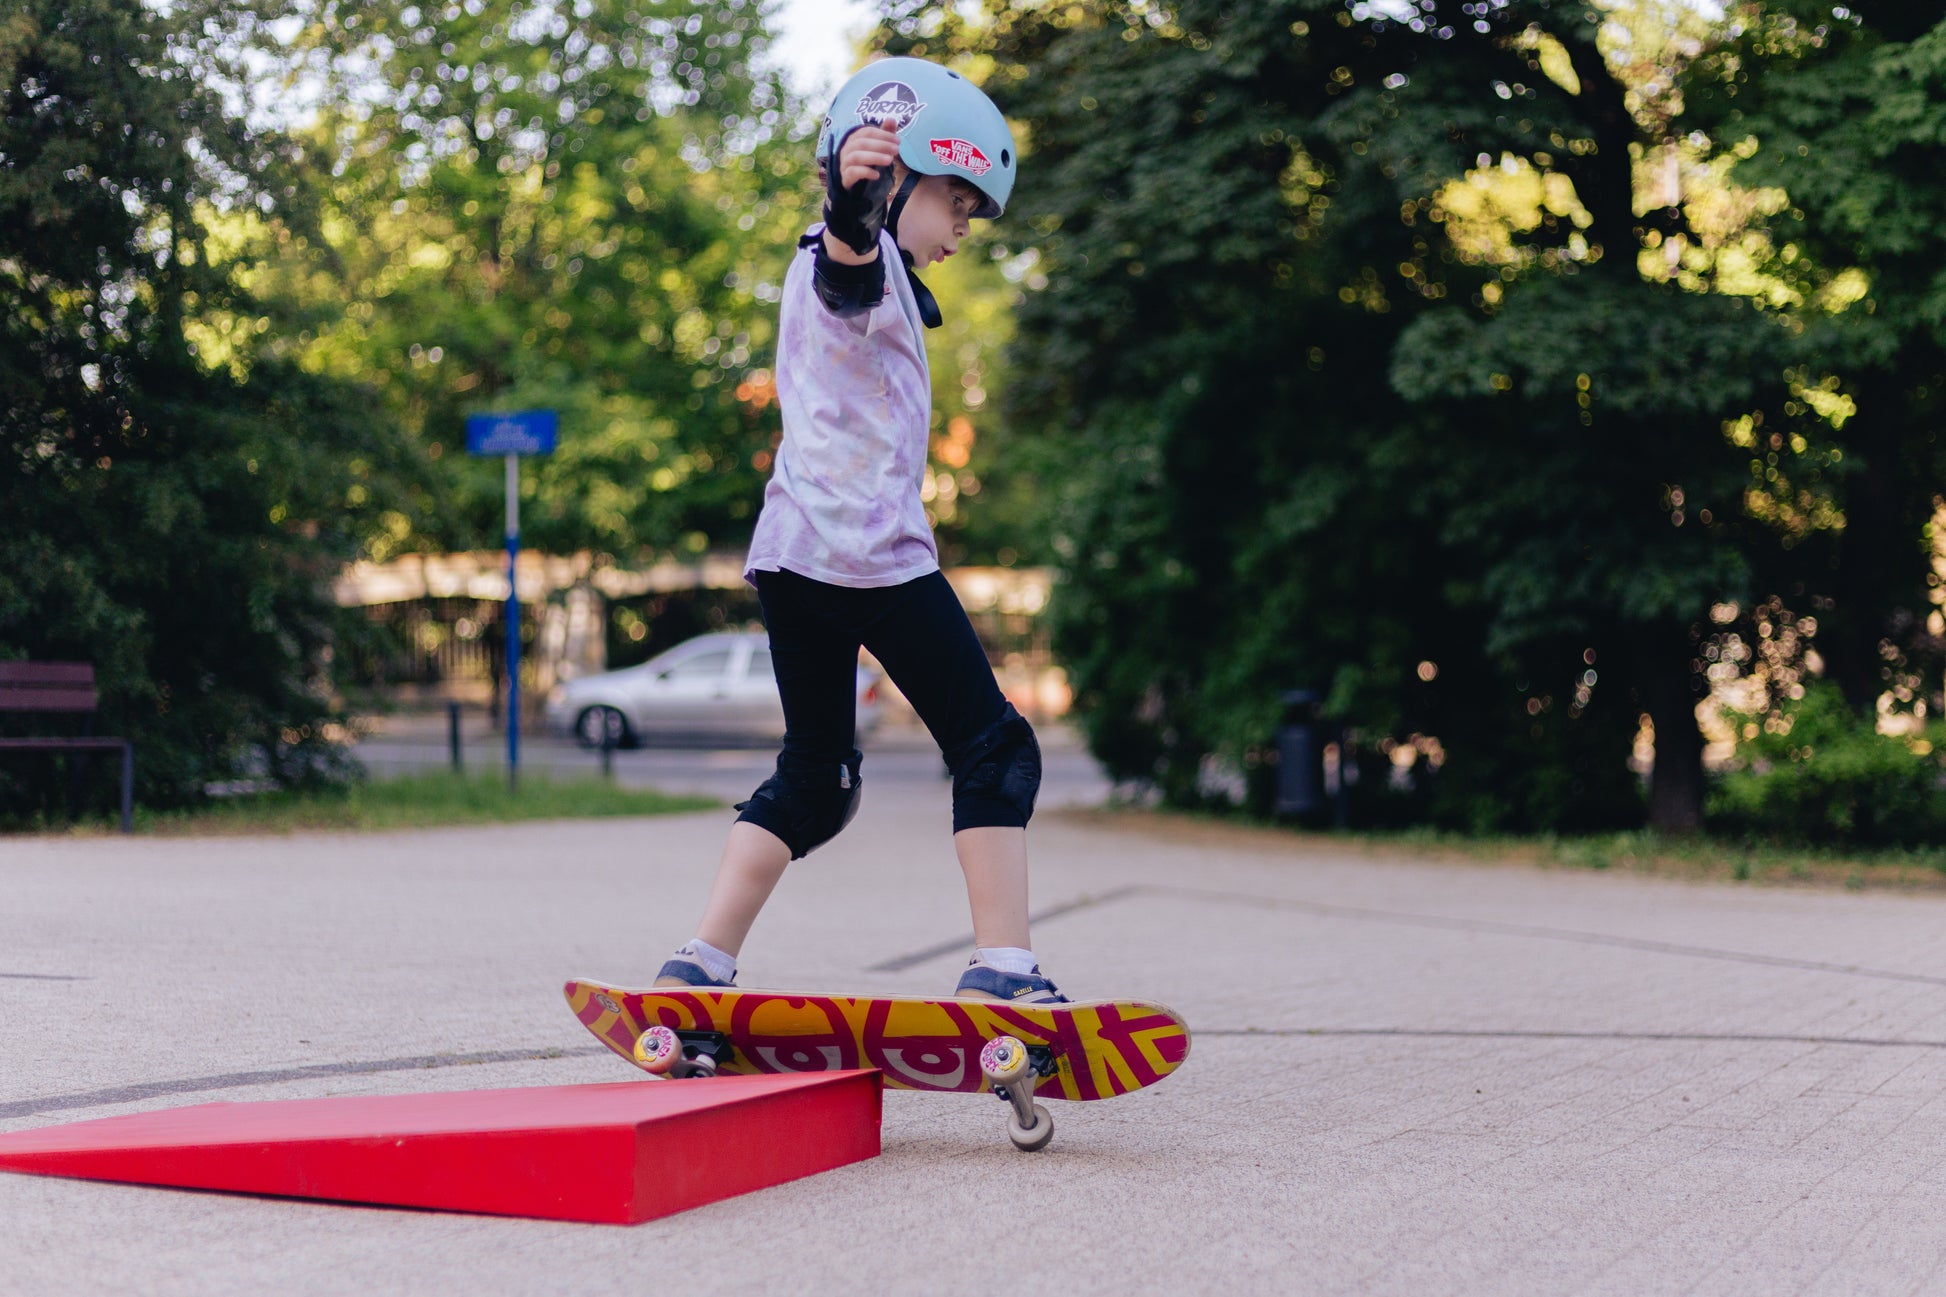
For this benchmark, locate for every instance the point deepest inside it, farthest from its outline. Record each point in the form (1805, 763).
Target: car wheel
(595, 722)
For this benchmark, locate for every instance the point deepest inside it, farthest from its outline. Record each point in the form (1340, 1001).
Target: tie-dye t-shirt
(842, 505)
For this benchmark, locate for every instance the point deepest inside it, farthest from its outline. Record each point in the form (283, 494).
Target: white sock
(717, 963)
(1008, 959)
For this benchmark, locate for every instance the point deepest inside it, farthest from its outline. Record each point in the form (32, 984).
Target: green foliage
(1821, 773)
(527, 206)
(1845, 110)
(988, 512)
(175, 525)
(1368, 361)
(1280, 458)
(1601, 401)
(1153, 377)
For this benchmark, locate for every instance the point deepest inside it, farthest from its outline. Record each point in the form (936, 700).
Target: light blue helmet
(946, 124)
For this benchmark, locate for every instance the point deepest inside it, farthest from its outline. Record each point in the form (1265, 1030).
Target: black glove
(855, 215)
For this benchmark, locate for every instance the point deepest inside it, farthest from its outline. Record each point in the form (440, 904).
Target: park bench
(63, 687)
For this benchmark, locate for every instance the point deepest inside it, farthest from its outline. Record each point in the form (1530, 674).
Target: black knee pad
(808, 801)
(996, 775)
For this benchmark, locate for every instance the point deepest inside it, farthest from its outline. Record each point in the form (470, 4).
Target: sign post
(522, 432)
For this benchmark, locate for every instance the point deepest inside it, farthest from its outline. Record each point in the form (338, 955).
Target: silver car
(716, 686)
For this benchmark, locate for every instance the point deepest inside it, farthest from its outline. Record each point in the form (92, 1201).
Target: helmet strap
(921, 295)
(905, 189)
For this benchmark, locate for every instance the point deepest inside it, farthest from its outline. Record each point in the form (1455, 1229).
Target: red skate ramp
(616, 1154)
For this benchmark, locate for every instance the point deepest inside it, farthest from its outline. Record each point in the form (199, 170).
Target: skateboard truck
(662, 1051)
(1012, 1069)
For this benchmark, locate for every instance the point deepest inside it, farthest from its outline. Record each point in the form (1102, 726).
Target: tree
(1601, 501)
(587, 209)
(1843, 111)
(171, 520)
(1363, 359)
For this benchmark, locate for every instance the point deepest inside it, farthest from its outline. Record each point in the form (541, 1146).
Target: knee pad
(808, 801)
(996, 775)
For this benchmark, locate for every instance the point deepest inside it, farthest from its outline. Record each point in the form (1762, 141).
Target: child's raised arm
(848, 274)
(854, 208)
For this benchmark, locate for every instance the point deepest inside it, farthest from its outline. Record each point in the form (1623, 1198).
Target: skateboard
(1093, 1049)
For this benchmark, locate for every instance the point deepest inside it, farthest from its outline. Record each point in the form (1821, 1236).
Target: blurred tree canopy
(1434, 355)
(174, 524)
(1843, 115)
(983, 500)
(586, 208)
(589, 209)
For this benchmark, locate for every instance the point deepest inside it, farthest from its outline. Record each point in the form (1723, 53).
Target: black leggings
(919, 634)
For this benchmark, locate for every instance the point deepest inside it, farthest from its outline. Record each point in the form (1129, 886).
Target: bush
(1831, 777)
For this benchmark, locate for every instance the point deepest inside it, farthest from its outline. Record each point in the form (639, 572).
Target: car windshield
(712, 663)
(759, 664)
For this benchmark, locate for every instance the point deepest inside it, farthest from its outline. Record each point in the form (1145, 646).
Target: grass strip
(1697, 857)
(432, 799)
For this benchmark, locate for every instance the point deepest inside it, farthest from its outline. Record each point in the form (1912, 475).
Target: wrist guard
(854, 215)
(845, 290)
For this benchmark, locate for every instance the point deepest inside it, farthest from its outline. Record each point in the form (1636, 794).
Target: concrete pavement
(1408, 1076)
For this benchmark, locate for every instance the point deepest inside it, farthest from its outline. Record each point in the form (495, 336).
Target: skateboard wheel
(1031, 1139)
(657, 1049)
(1004, 1059)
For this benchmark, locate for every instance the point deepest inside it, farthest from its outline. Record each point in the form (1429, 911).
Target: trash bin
(1300, 757)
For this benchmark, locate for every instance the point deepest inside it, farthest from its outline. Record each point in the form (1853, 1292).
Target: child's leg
(994, 860)
(753, 861)
(815, 789)
(928, 647)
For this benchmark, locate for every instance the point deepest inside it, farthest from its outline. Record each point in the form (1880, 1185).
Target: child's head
(936, 214)
(949, 131)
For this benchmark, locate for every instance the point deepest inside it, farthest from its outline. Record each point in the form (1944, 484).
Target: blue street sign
(511, 435)
(517, 432)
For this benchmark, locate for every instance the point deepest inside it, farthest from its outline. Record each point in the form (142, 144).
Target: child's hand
(867, 151)
(854, 207)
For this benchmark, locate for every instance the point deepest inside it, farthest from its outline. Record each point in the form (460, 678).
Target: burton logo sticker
(891, 101)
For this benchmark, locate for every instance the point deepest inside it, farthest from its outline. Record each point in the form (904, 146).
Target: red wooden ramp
(618, 1154)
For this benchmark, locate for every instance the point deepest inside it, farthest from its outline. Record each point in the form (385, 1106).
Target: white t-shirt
(842, 505)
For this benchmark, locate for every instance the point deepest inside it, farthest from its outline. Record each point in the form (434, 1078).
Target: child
(842, 554)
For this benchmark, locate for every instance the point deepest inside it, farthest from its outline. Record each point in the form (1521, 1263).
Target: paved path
(1407, 1077)
(901, 761)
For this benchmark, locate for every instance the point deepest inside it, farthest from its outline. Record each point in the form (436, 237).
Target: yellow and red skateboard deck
(1100, 1048)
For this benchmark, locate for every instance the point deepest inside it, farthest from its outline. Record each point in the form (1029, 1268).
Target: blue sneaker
(688, 972)
(984, 982)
